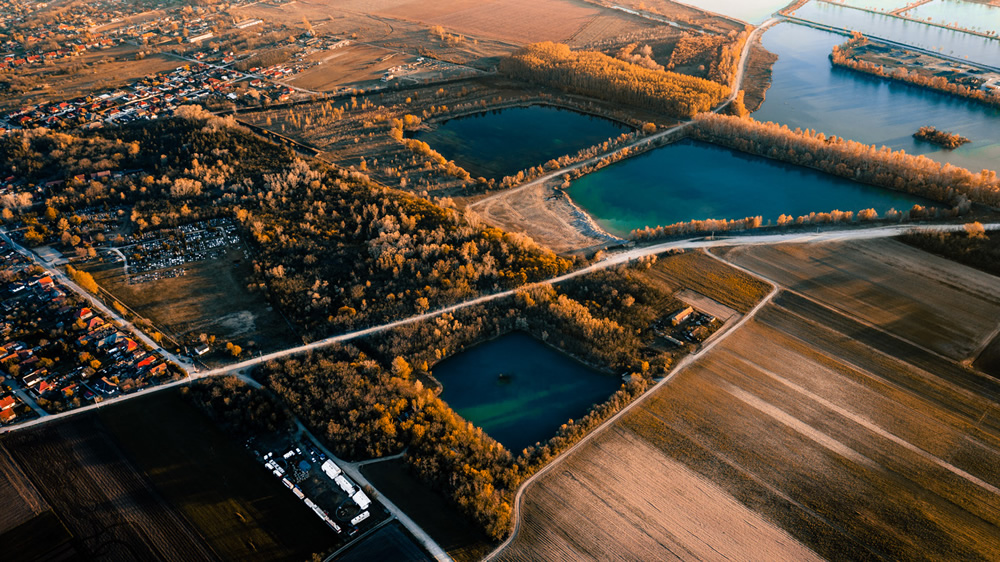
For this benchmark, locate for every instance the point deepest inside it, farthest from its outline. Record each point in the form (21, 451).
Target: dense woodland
(238, 407)
(333, 250)
(596, 74)
(843, 56)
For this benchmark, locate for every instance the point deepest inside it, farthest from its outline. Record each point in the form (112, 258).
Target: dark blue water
(808, 92)
(692, 180)
(544, 389)
(501, 143)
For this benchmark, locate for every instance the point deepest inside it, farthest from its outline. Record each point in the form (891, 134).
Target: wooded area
(596, 74)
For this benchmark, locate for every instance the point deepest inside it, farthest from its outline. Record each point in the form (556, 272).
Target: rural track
(678, 368)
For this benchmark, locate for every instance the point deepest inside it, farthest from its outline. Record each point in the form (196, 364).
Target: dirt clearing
(210, 298)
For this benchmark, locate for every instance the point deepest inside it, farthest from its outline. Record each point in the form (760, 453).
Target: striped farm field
(822, 428)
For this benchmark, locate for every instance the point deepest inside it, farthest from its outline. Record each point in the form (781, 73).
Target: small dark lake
(540, 389)
(501, 143)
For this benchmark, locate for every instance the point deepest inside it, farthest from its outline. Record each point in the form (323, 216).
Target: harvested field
(854, 451)
(705, 304)
(511, 22)
(345, 66)
(620, 497)
(19, 498)
(989, 360)
(444, 523)
(211, 298)
(391, 542)
(712, 278)
(104, 501)
(932, 302)
(238, 508)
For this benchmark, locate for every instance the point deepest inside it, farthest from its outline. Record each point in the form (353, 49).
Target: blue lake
(542, 389)
(692, 180)
(808, 92)
(501, 143)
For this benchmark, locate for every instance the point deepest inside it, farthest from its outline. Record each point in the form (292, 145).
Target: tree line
(882, 167)
(879, 166)
(598, 75)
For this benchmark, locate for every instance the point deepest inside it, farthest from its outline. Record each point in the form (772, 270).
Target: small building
(361, 499)
(7, 416)
(331, 469)
(202, 349)
(7, 402)
(681, 315)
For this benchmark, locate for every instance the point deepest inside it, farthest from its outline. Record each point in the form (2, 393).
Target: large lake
(543, 389)
(945, 41)
(693, 180)
(978, 17)
(501, 143)
(808, 92)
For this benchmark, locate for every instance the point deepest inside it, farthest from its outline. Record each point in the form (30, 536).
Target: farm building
(681, 315)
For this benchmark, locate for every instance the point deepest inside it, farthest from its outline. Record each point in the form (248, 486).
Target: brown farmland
(930, 301)
(105, 502)
(855, 442)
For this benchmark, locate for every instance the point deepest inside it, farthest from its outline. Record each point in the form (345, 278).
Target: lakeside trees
(596, 74)
(879, 166)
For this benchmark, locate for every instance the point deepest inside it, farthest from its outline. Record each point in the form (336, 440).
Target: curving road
(681, 365)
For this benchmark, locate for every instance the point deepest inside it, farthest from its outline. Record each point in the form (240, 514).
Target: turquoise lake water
(544, 389)
(808, 92)
(501, 143)
(692, 180)
(879, 5)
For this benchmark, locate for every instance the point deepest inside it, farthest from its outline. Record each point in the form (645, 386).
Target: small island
(944, 139)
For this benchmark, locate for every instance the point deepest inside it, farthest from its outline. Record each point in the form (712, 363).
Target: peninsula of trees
(595, 74)
(845, 56)
(879, 166)
(944, 139)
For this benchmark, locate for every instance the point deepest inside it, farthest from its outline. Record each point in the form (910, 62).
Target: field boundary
(683, 364)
